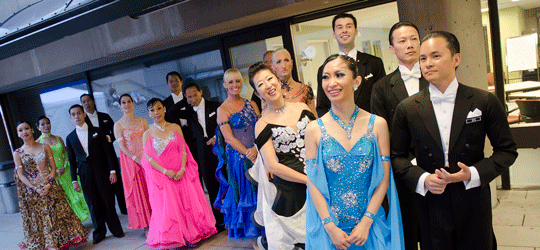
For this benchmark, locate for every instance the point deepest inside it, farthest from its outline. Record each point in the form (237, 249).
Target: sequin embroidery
(161, 144)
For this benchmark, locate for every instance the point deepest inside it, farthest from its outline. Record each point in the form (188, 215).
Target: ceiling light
(484, 10)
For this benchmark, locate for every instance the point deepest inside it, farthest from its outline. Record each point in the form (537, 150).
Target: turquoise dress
(347, 181)
(237, 197)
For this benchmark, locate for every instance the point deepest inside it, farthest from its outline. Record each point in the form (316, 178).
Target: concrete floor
(516, 221)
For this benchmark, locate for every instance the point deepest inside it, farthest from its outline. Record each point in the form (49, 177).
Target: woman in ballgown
(129, 131)
(181, 215)
(48, 220)
(280, 140)
(237, 197)
(293, 91)
(348, 168)
(76, 199)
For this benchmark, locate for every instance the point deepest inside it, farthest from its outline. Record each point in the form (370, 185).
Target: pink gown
(181, 214)
(133, 176)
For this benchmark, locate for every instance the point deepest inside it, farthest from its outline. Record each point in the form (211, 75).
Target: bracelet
(134, 157)
(150, 159)
(164, 171)
(369, 215)
(183, 168)
(327, 220)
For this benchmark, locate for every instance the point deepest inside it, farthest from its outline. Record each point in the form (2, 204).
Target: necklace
(45, 135)
(279, 110)
(161, 128)
(346, 127)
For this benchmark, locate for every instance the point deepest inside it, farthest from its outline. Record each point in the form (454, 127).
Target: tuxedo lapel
(77, 143)
(398, 86)
(423, 83)
(361, 72)
(427, 113)
(463, 98)
(90, 137)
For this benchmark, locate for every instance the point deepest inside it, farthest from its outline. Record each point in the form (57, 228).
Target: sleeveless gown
(347, 181)
(76, 199)
(281, 203)
(134, 181)
(48, 221)
(181, 215)
(237, 197)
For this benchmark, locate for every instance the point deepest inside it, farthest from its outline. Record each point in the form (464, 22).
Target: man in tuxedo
(176, 105)
(370, 68)
(202, 122)
(105, 123)
(446, 124)
(91, 161)
(387, 93)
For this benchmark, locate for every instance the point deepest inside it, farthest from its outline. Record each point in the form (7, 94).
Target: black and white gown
(281, 203)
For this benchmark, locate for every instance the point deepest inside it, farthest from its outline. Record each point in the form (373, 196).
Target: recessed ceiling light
(484, 10)
(515, 0)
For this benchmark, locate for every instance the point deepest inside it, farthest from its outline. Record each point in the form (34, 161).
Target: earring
(355, 87)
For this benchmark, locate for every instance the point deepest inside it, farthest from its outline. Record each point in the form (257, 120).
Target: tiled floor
(516, 221)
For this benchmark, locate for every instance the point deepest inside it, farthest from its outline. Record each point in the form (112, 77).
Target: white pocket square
(184, 108)
(211, 114)
(368, 76)
(94, 135)
(474, 116)
(474, 113)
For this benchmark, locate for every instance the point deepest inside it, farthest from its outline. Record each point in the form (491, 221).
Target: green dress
(76, 199)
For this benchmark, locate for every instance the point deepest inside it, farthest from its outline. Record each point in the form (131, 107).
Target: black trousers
(100, 200)
(208, 162)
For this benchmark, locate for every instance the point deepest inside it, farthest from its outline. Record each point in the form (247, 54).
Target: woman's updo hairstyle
(120, 98)
(153, 102)
(351, 63)
(256, 68)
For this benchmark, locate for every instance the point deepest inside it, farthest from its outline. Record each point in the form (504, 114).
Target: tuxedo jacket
(178, 111)
(106, 124)
(466, 212)
(210, 115)
(370, 68)
(388, 92)
(99, 159)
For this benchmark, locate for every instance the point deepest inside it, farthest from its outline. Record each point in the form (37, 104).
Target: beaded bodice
(160, 144)
(348, 175)
(243, 124)
(133, 141)
(35, 167)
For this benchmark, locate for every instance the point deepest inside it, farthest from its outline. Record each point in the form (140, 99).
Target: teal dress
(347, 181)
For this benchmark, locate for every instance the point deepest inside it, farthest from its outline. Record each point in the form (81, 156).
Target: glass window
(519, 25)
(56, 102)
(373, 23)
(144, 82)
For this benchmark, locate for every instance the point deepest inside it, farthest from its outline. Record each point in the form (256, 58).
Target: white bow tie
(196, 108)
(415, 73)
(438, 97)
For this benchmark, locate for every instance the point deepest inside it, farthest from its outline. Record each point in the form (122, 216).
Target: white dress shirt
(94, 119)
(352, 54)
(443, 105)
(82, 134)
(177, 98)
(411, 78)
(201, 116)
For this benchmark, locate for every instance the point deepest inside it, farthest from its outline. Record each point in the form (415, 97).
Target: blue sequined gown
(237, 197)
(347, 181)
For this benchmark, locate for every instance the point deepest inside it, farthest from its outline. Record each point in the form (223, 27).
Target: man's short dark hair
(172, 73)
(190, 82)
(451, 39)
(75, 106)
(343, 15)
(399, 25)
(89, 95)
